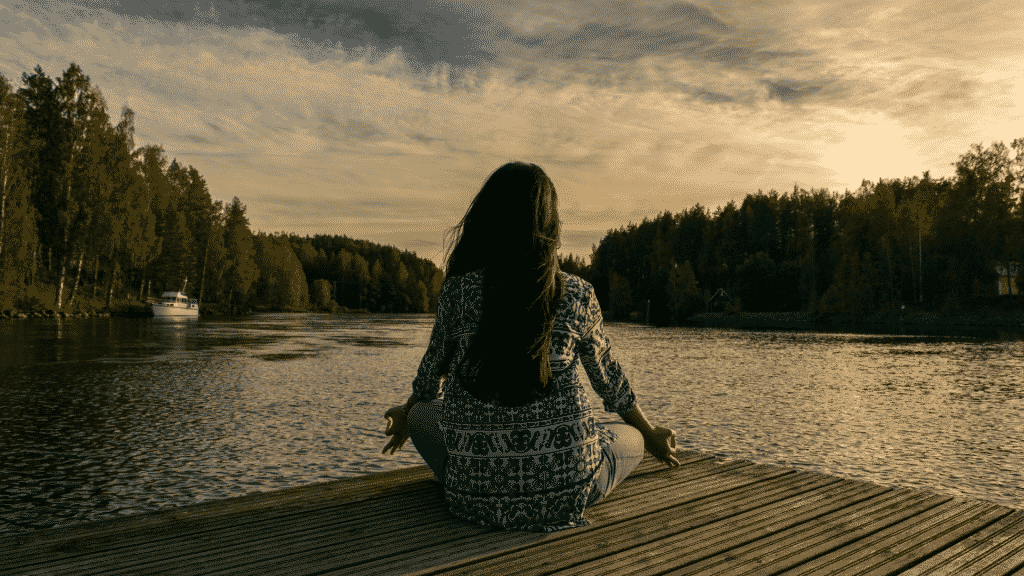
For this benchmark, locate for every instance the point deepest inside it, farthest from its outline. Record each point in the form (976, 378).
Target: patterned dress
(529, 467)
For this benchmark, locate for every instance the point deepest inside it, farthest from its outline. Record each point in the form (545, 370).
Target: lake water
(103, 417)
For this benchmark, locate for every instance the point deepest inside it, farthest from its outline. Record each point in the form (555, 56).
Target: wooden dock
(708, 516)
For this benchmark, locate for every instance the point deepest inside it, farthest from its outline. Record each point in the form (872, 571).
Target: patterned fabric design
(528, 467)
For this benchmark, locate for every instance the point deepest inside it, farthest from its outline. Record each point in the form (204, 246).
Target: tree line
(923, 242)
(85, 215)
(362, 274)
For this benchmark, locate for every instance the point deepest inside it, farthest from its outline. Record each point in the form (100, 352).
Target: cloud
(195, 138)
(166, 89)
(684, 13)
(633, 107)
(349, 130)
(786, 92)
(600, 41)
(427, 31)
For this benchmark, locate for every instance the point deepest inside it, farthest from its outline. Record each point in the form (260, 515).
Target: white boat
(176, 304)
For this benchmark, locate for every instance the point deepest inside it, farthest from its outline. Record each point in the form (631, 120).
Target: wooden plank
(492, 553)
(214, 533)
(224, 550)
(245, 542)
(237, 556)
(643, 494)
(910, 551)
(667, 529)
(696, 509)
(354, 489)
(998, 550)
(196, 518)
(332, 556)
(792, 547)
(902, 545)
(701, 480)
(208, 526)
(210, 532)
(344, 490)
(304, 532)
(412, 543)
(708, 516)
(687, 547)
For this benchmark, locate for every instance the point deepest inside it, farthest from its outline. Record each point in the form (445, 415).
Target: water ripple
(106, 417)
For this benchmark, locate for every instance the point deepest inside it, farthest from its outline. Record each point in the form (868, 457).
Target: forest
(90, 222)
(916, 243)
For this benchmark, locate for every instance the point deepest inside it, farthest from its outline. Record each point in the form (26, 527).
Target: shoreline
(52, 314)
(144, 311)
(1006, 324)
(907, 324)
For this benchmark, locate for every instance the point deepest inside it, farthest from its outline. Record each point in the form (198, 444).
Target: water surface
(103, 417)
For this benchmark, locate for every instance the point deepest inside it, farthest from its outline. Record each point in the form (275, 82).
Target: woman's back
(529, 466)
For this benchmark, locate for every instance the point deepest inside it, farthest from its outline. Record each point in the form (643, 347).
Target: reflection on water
(107, 416)
(932, 413)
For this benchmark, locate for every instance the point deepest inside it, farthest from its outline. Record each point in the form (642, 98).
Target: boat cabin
(174, 298)
(178, 300)
(175, 304)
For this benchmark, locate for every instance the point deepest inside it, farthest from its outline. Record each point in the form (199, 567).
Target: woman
(512, 434)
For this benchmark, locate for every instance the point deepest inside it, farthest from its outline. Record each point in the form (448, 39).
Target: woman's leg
(424, 429)
(622, 452)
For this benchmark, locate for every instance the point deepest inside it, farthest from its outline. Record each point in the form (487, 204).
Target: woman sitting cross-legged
(497, 409)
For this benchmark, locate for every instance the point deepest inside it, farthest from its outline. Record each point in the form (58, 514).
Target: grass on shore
(40, 299)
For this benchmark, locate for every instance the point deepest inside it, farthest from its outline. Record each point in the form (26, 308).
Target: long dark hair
(511, 232)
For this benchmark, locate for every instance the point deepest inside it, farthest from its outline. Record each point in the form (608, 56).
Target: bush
(684, 298)
(34, 299)
(766, 286)
(320, 291)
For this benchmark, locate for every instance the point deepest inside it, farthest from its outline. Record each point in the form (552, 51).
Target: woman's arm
(604, 372)
(427, 383)
(611, 384)
(434, 364)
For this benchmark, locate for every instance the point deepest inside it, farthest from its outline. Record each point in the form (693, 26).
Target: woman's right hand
(661, 443)
(396, 428)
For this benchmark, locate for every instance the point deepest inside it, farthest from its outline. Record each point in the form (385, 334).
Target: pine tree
(620, 296)
(241, 269)
(684, 296)
(361, 281)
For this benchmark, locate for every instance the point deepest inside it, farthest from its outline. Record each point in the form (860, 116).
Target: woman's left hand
(661, 443)
(396, 428)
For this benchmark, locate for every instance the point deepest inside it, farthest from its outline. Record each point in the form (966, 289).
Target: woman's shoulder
(576, 286)
(472, 278)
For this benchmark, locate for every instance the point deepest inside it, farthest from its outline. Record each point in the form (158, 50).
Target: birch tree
(16, 226)
(66, 118)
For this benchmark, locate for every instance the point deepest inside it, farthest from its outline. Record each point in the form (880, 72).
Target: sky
(381, 119)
